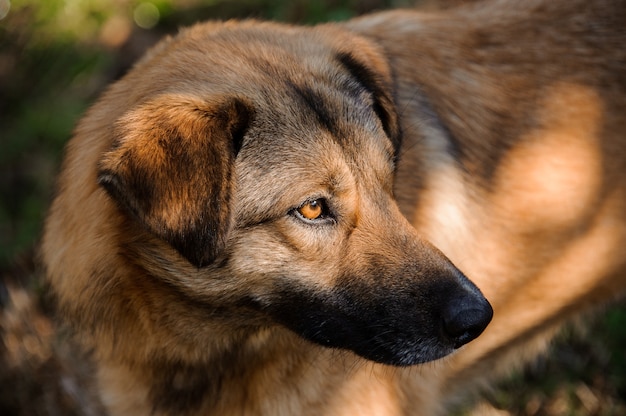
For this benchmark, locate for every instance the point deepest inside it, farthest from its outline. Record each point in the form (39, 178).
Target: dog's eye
(312, 210)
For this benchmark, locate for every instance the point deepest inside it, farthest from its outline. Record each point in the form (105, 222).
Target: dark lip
(375, 338)
(404, 355)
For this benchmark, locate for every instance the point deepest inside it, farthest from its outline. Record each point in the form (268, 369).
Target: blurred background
(56, 56)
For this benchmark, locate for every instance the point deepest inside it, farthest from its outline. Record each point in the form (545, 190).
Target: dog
(269, 219)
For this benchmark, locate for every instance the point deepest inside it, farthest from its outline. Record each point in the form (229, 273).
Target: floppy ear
(170, 167)
(373, 72)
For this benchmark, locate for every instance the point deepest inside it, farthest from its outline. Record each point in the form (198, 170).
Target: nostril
(462, 323)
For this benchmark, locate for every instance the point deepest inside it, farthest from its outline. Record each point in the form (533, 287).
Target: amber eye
(312, 210)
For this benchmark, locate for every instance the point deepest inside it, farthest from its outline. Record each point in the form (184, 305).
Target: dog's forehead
(291, 75)
(300, 91)
(274, 172)
(246, 55)
(283, 71)
(306, 112)
(308, 107)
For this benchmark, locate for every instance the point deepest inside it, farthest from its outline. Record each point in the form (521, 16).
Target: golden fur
(177, 249)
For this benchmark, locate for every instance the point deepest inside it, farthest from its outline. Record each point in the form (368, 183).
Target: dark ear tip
(242, 107)
(198, 248)
(106, 178)
(110, 182)
(240, 114)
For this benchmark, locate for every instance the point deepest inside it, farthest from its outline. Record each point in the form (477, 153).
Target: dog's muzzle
(389, 319)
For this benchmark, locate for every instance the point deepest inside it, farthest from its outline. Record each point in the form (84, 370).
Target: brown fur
(175, 248)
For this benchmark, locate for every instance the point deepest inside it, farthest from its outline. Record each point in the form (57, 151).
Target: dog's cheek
(269, 258)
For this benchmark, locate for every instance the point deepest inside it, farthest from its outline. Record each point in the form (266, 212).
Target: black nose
(466, 317)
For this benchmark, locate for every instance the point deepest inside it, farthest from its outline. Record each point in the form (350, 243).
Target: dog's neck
(234, 377)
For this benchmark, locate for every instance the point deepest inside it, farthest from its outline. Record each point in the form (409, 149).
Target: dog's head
(264, 157)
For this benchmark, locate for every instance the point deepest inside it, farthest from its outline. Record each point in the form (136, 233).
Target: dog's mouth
(394, 327)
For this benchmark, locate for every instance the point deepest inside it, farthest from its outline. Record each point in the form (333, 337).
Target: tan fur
(512, 163)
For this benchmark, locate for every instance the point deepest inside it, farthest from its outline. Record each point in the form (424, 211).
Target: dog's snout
(465, 317)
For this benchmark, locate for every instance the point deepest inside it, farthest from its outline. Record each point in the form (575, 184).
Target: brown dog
(226, 239)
